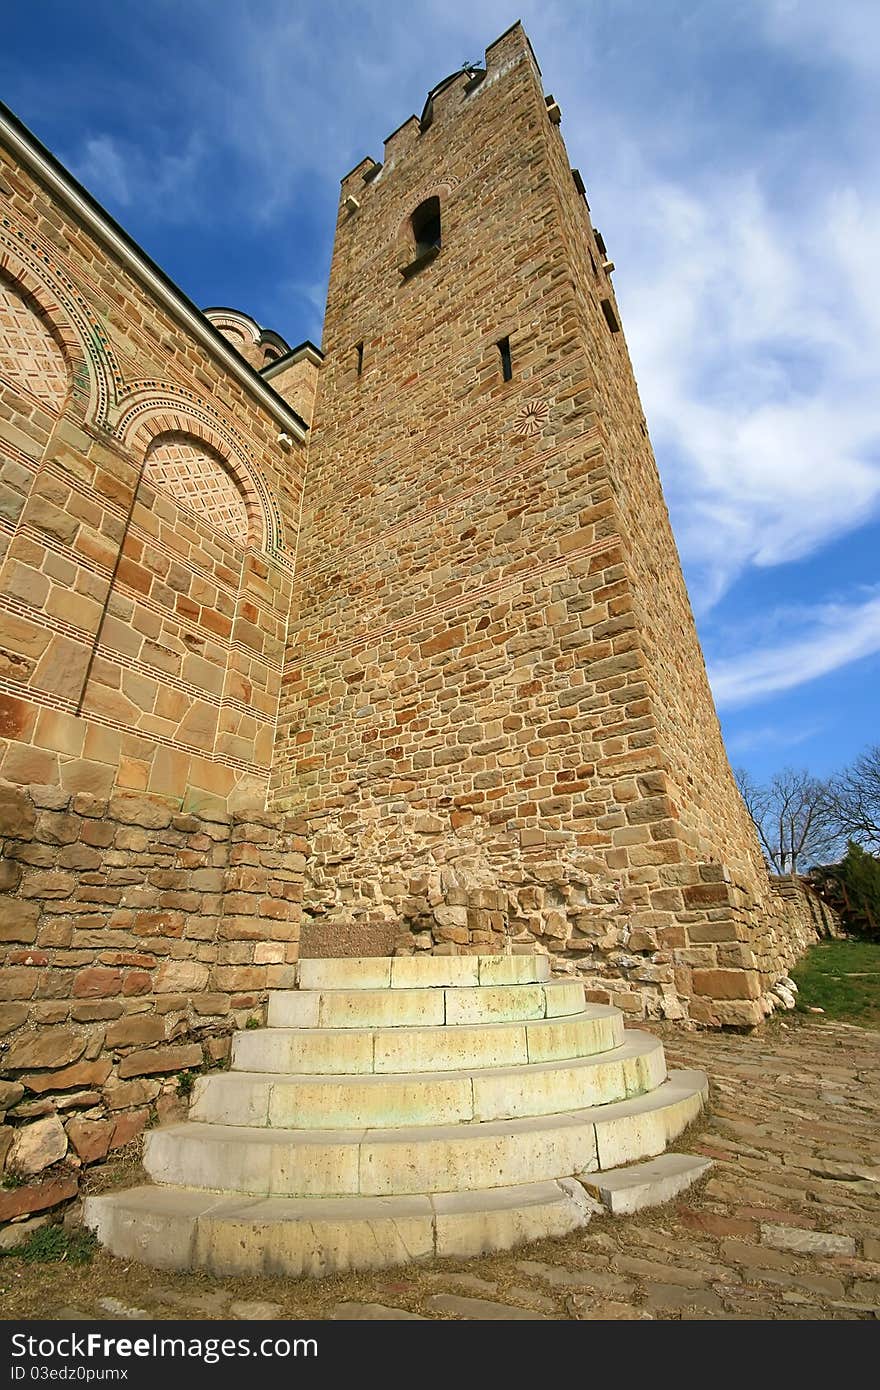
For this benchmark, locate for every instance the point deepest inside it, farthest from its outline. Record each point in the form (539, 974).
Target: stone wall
(148, 516)
(135, 939)
(495, 715)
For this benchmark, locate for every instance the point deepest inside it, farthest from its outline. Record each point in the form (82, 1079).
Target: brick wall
(148, 522)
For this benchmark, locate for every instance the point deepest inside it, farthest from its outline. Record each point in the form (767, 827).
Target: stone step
(432, 1098)
(625, 1190)
(443, 1005)
(357, 1052)
(398, 1162)
(182, 1228)
(421, 972)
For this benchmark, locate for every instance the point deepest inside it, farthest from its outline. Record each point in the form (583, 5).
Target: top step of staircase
(421, 972)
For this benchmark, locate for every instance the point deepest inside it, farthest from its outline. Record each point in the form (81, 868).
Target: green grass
(843, 978)
(51, 1244)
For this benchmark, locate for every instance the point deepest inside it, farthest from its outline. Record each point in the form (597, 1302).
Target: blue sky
(730, 153)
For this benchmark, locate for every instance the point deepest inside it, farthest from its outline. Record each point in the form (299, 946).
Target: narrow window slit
(503, 346)
(359, 349)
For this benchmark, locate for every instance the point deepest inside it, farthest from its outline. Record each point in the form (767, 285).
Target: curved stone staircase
(400, 1108)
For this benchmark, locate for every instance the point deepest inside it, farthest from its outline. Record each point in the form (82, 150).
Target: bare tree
(855, 800)
(793, 817)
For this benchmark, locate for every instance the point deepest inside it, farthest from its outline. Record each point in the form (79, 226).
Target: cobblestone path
(787, 1224)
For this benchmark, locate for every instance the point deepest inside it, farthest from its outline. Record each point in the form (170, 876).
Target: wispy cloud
(124, 174)
(771, 736)
(831, 635)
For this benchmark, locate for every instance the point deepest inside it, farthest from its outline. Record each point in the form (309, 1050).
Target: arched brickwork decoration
(195, 475)
(95, 376)
(31, 358)
(154, 409)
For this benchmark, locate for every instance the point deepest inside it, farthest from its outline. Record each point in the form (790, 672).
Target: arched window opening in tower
(425, 223)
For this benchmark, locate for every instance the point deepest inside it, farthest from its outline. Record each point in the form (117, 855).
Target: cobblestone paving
(787, 1224)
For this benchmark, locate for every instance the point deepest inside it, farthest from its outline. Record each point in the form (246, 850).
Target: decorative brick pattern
(30, 358)
(195, 475)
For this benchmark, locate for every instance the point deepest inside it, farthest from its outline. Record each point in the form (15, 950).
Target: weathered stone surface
(10, 1093)
(144, 811)
(161, 1059)
(12, 1016)
(51, 1047)
(137, 1028)
(19, 1201)
(180, 977)
(372, 1312)
(81, 1074)
(483, 1309)
(128, 1126)
(90, 1138)
(36, 1146)
(97, 982)
(18, 920)
(806, 1242)
(119, 1095)
(257, 1310)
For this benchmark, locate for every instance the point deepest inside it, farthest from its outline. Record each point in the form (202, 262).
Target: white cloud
(831, 635)
(123, 174)
(771, 736)
(754, 339)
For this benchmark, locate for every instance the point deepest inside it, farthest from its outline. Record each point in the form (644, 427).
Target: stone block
(727, 984)
(20, 1201)
(37, 1146)
(160, 1059)
(69, 1078)
(90, 1138)
(50, 1047)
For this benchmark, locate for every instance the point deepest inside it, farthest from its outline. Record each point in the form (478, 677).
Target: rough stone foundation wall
(135, 939)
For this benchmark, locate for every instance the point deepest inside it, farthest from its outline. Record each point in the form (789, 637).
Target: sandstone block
(37, 1146)
(161, 1059)
(140, 810)
(97, 982)
(128, 1127)
(727, 984)
(120, 1095)
(180, 977)
(137, 1028)
(18, 920)
(90, 1138)
(20, 1201)
(69, 1078)
(51, 1047)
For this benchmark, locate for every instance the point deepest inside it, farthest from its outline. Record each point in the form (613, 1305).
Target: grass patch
(843, 978)
(52, 1244)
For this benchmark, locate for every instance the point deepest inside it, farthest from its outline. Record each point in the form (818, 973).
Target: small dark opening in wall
(359, 351)
(506, 363)
(610, 316)
(425, 223)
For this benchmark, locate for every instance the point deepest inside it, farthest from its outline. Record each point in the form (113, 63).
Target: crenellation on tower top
(512, 44)
(443, 101)
(402, 139)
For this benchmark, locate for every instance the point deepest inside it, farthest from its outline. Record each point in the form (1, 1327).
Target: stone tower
(495, 714)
